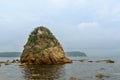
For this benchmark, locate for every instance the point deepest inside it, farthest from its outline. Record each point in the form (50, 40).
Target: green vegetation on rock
(31, 40)
(51, 37)
(41, 49)
(45, 47)
(39, 36)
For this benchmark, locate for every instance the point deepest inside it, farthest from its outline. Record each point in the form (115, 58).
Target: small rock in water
(14, 61)
(82, 60)
(2, 62)
(73, 78)
(17, 60)
(90, 61)
(110, 61)
(22, 65)
(100, 76)
(98, 61)
(107, 61)
(7, 62)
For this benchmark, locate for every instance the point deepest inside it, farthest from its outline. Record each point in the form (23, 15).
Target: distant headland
(10, 54)
(75, 54)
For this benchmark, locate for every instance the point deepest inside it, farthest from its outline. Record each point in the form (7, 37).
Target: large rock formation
(43, 48)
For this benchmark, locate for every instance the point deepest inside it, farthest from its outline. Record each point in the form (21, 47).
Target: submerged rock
(7, 62)
(73, 78)
(101, 76)
(107, 61)
(14, 61)
(42, 47)
(82, 60)
(110, 61)
(90, 61)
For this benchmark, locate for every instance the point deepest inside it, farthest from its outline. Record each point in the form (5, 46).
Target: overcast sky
(90, 26)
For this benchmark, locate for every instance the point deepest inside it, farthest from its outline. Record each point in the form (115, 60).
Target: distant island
(75, 54)
(10, 54)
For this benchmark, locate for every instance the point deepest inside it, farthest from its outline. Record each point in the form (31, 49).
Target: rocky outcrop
(42, 47)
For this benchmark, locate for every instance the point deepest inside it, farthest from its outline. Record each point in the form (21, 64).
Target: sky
(90, 26)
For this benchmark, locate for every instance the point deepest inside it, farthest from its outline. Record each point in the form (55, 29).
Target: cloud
(92, 29)
(93, 36)
(68, 3)
(89, 25)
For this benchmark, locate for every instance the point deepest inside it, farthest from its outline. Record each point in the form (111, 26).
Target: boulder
(42, 47)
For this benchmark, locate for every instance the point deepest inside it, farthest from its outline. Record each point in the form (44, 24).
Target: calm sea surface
(81, 70)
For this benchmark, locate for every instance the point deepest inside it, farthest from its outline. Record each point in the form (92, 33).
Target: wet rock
(110, 61)
(7, 62)
(17, 60)
(14, 61)
(107, 61)
(22, 65)
(82, 60)
(2, 62)
(42, 47)
(73, 78)
(98, 61)
(90, 61)
(100, 76)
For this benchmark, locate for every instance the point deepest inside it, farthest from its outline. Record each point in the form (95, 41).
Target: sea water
(81, 70)
(8, 58)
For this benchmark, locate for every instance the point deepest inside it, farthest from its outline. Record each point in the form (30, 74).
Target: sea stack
(42, 47)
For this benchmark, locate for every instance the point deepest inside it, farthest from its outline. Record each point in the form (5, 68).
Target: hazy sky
(90, 26)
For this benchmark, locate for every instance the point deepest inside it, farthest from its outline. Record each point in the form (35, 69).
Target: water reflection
(43, 72)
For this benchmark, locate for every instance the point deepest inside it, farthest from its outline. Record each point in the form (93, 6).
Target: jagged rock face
(43, 48)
